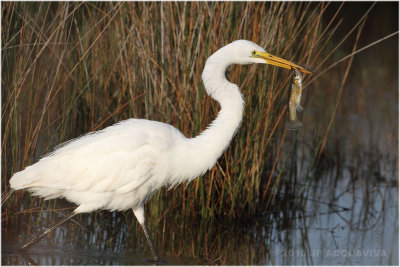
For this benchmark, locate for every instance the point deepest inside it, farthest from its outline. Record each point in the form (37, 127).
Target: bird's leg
(153, 250)
(139, 213)
(27, 258)
(4, 199)
(47, 231)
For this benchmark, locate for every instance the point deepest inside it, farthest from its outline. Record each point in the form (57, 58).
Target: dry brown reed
(73, 67)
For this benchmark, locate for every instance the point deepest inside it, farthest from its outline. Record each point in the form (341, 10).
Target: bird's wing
(120, 158)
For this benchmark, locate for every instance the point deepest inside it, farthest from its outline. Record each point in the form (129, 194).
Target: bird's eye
(253, 52)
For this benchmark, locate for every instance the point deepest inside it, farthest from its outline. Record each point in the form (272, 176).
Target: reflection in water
(343, 210)
(336, 219)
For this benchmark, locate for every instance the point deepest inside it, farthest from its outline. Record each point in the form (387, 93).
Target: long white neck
(216, 138)
(200, 153)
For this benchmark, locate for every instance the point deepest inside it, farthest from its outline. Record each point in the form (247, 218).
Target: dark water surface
(343, 212)
(352, 222)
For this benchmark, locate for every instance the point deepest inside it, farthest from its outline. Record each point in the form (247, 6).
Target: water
(349, 231)
(343, 212)
(349, 221)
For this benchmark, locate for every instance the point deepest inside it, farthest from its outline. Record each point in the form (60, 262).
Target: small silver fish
(294, 101)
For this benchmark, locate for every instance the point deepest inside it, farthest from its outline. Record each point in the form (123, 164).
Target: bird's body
(121, 166)
(117, 168)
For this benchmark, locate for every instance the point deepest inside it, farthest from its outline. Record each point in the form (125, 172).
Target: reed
(71, 67)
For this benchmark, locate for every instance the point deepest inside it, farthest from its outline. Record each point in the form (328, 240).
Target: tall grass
(69, 68)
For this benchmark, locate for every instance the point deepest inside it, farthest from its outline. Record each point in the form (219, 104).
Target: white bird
(122, 166)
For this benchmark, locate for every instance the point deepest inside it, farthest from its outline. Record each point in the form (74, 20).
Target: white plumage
(115, 169)
(121, 166)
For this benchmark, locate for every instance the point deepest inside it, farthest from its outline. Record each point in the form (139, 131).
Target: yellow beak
(277, 61)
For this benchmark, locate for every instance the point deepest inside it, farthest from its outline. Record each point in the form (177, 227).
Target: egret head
(246, 52)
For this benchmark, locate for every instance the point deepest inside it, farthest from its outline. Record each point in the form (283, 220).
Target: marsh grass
(70, 67)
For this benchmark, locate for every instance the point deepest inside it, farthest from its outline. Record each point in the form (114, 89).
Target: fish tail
(299, 108)
(293, 125)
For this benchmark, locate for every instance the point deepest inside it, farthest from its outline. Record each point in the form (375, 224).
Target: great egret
(121, 166)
